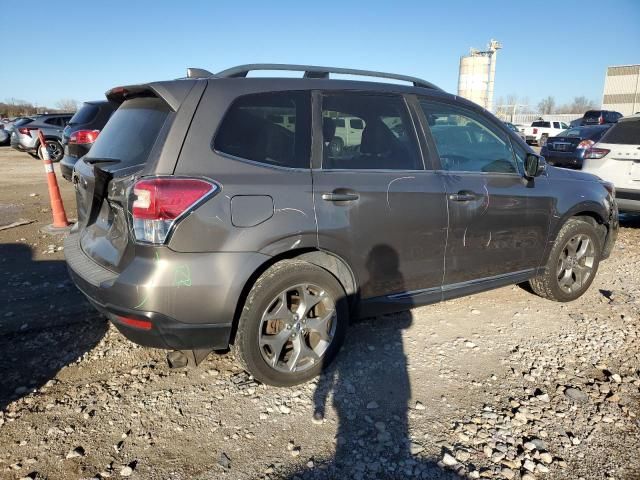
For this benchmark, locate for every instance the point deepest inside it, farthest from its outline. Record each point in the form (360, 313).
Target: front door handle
(340, 197)
(462, 196)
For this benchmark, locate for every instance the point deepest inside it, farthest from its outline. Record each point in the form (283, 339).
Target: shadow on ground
(369, 389)
(45, 323)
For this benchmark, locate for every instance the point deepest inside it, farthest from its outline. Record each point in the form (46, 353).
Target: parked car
(568, 148)
(25, 137)
(541, 130)
(518, 131)
(202, 223)
(600, 117)
(16, 122)
(616, 159)
(81, 132)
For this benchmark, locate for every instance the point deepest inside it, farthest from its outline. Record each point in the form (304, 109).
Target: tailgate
(104, 176)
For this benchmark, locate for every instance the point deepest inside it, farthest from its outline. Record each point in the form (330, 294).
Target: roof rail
(312, 71)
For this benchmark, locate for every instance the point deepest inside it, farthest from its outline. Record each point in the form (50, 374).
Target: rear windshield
(22, 121)
(86, 114)
(131, 131)
(592, 114)
(541, 124)
(623, 133)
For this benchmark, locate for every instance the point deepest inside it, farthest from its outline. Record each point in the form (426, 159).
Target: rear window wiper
(91, 161)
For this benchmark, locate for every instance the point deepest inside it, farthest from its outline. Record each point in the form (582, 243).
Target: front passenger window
(466, 141)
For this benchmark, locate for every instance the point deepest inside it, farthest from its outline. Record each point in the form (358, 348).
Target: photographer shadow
(369, 390)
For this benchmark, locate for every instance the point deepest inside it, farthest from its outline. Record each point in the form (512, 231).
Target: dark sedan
(567, 149)
(82, 131)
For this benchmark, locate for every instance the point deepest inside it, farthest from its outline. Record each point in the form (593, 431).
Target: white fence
(527, 118)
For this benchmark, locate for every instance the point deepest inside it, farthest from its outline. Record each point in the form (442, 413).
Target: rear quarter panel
(286, 191)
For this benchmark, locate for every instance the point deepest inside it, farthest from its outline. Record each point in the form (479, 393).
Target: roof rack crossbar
(313, 71)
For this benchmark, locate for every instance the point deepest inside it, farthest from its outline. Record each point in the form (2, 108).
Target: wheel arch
(591, 212)
(326, 260)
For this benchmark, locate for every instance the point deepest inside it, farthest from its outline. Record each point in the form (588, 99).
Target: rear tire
(56, 151)
(292, 325)
(573, 262)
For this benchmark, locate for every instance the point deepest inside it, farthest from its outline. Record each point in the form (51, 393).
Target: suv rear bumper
(189, 298)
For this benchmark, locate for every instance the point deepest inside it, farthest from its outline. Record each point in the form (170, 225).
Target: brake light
(601, 121)
(535, 130)
(160, 202)
(25, 130)
(82, 137)
(586, 144)
(596, 153)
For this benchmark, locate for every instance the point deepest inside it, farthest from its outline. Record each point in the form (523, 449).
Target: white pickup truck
(541, 130)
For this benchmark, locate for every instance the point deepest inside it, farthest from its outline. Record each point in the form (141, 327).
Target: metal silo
(477, 74)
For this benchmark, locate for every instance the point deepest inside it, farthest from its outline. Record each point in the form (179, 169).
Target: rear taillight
(596, 153)
(25, 130)
(535, 130)
(158, 203)
(601, 121)
(586, 144)
(81, 137)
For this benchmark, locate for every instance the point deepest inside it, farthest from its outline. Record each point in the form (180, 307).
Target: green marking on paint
(182, 276)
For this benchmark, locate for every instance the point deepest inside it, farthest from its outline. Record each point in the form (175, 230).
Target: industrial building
(622, 89)
(477, 75)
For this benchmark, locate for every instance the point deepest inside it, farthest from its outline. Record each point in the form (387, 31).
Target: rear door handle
(462, 196)
(340, 197)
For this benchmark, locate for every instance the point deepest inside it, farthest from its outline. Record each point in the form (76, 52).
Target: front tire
(292, 325)
(572, 264)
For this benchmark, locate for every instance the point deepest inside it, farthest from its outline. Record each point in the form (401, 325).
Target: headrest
(328, 128)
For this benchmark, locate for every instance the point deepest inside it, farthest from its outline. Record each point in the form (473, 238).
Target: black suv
(212, 212)
(600, 117)
(82, 131)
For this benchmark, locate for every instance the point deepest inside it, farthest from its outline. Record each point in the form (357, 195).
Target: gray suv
(25, 137)
(212, 212)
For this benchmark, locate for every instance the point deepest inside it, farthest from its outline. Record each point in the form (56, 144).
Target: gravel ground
(496, 385)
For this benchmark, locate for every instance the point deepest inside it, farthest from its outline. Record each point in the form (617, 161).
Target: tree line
(546, 106)
(14, 107)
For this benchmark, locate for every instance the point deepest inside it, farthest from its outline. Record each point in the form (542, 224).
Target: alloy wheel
(575, 264)
(55, 150)
(297, 328)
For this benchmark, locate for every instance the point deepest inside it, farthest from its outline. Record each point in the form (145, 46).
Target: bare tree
(67, 105)
(14, 107)
(582, 104)
(547, 105)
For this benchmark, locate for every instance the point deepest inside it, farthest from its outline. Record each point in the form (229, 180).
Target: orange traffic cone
(60, 222)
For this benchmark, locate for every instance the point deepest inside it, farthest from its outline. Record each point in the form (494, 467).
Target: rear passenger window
(466, 141)
(379, 137)
(272, 128)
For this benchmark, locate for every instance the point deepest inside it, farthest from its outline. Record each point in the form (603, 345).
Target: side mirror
(534, 165)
